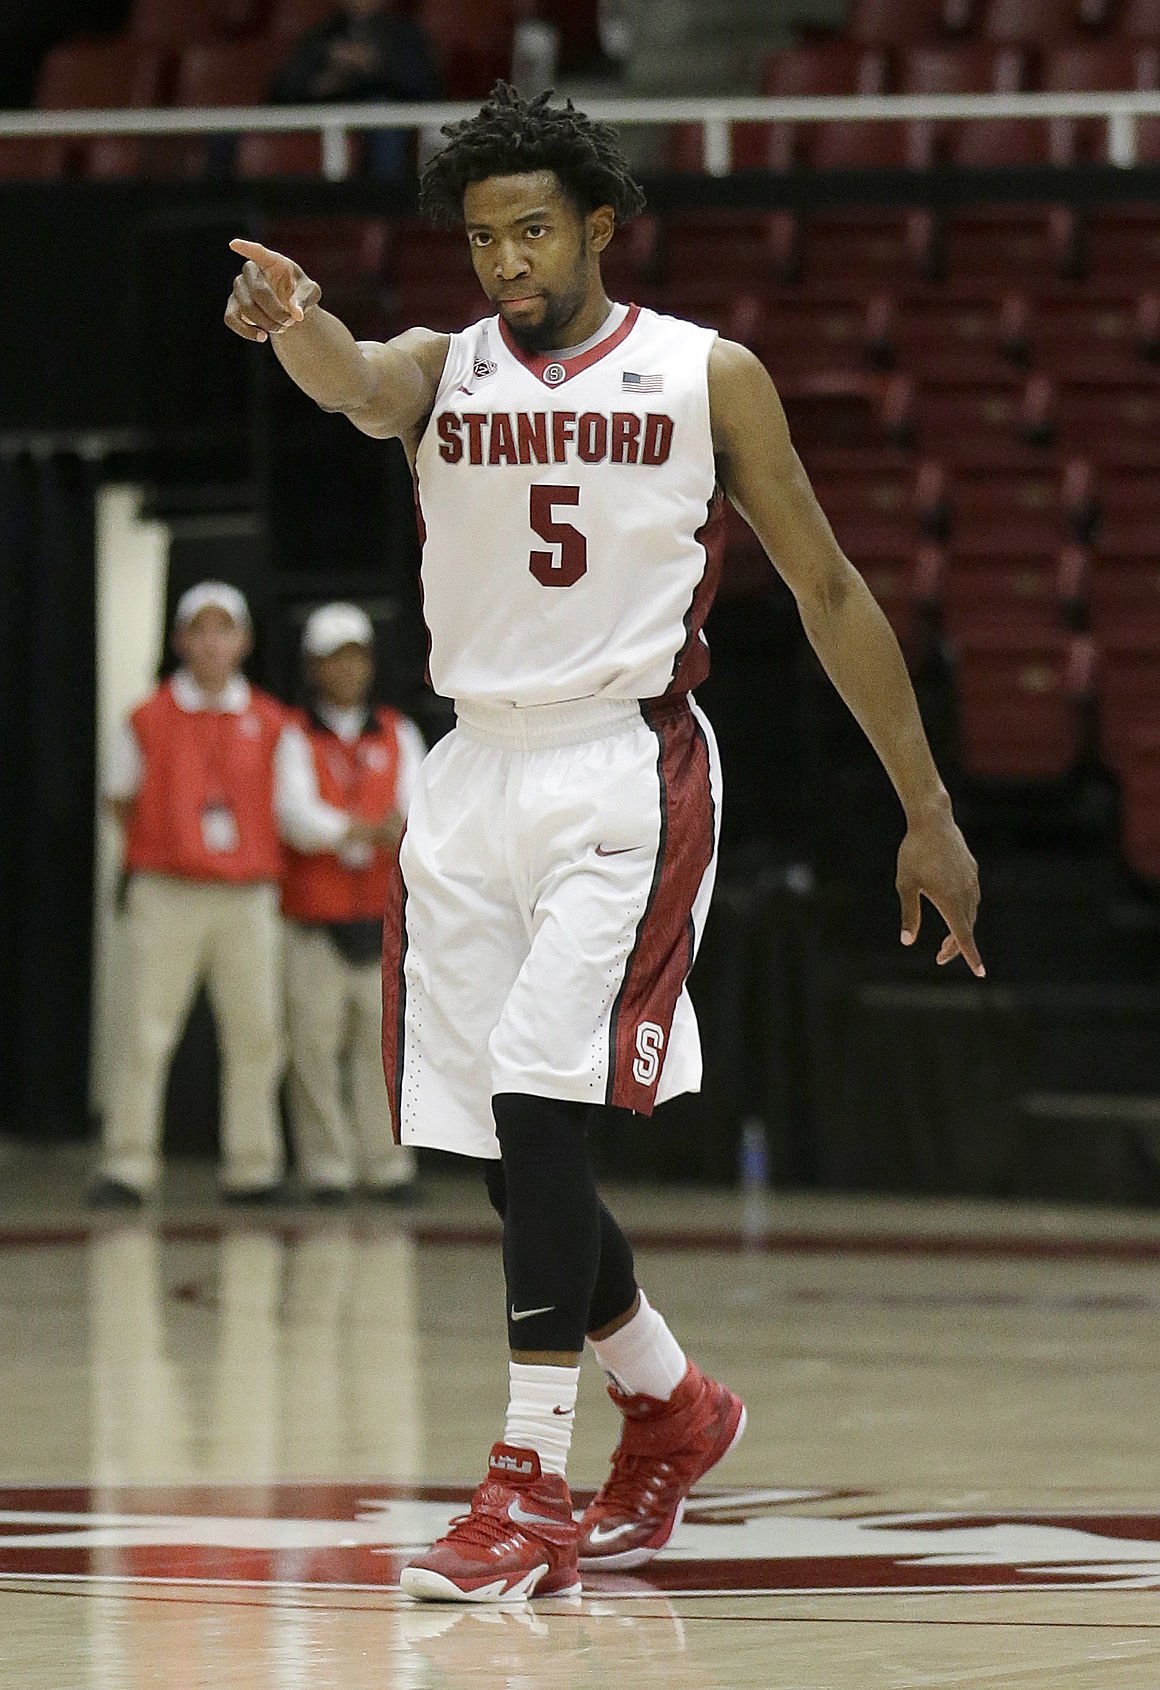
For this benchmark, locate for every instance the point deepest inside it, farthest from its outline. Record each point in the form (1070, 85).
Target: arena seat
(473, 45)
(1095, 65)
(837, 412)
(1120, 246)
(744, 247)
(1124, 596)
(96, 75)
(1124, 495)
(1031, 593)
(1034, 22)
(1007, 244)
(227, 73)
(631, 262)
(26, 160)
(946, 334)
(999, 142)
(812, 332)
(861, 247)
(175, 23)
(843, 145)
(1076, 334)
(1116, 421)
(1016, 509)
(832, 67)
(891, 489)
(1140, 20)
(714, 302)
(1001, 409)
(1018, 699)
(973, 68)
(1127, 689)
(271, 154)
(896, 22)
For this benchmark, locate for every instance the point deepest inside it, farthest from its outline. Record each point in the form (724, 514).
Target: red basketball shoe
(519, 1539)
(664, 1448)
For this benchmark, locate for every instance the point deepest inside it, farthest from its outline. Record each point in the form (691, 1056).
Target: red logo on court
(778, 1541)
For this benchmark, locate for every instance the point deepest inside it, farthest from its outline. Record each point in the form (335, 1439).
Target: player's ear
(601, 227)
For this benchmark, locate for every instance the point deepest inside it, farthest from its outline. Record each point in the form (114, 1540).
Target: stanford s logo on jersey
(554, 437)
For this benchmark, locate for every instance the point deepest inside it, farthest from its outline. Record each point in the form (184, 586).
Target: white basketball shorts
(554, 881)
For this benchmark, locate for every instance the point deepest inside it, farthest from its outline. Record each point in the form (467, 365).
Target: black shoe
(115, 1194)
(400, 1196)
(329, 1196)
(253, 1196)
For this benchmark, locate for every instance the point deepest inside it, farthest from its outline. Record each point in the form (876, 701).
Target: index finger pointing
(260, 254)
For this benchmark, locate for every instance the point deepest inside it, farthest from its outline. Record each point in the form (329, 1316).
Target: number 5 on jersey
(568, 561)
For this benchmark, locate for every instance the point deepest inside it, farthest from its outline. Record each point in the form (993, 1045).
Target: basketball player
(570, 457)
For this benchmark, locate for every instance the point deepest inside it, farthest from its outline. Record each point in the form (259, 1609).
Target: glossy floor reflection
(223, 1435)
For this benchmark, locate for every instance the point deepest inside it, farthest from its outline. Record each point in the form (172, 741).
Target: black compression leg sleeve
(551, 1227)
(615, 1289)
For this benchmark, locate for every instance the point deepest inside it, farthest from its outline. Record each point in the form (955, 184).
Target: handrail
(715, 114)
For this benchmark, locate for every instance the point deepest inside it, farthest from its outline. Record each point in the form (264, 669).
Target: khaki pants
(182, 932)
(334, 1009)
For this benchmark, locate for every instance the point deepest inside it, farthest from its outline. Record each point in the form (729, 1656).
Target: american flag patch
(634, 383)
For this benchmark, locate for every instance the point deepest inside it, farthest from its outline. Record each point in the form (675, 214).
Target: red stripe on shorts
(394, 994)
(662, 955)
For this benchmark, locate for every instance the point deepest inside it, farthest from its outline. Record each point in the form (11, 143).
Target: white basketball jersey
(566, 505)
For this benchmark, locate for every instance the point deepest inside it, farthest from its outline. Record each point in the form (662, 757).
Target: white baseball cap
(332, 626)
(216, 593)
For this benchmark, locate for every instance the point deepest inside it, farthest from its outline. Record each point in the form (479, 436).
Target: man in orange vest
(192, 784)
(345, 777)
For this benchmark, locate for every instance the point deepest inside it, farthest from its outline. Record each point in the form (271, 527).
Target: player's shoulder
(735, 371)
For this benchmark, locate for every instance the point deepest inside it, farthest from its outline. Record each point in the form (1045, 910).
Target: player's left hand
(934, 863)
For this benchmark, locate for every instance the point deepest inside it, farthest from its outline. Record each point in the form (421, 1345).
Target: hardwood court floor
(221, 1434)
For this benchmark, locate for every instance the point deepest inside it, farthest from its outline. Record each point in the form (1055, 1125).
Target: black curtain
(47, 707)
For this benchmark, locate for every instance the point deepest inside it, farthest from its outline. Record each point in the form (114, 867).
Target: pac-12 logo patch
(483, 367)
(650, 1042)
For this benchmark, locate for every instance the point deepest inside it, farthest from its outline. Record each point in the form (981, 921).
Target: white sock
(541, 1409)
(643, 1358)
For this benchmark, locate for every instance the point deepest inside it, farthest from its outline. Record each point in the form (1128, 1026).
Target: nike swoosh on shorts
(526, 1314)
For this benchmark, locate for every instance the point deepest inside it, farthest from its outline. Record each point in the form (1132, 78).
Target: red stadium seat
(1121, 246)
(940, 415)
(473, 45)
(232, 73)
(897, 22)
(1101, 65)
(333, 249)
(92, 75)
(1009, 592)
(270, 154)
(869, 146)
(1017, 510)
(992, 142)
(1140, 20)
(837, 412)
(741, 246)
(24, 160)
(426, 254)
(1125, 497)
(1124, 596)
(1114, 421)
(946, 334)
(1007, 244)
(975, 68)
(864, 247)
(800, 334)
(1034, 22)
(1127, 689)
(1018, 704)
(1078, 335)
(715, 302)
(832, 67)
(631, 262)
(175, 23)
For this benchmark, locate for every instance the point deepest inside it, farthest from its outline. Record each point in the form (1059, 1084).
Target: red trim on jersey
(538, 362)
(692, 662)
(394, 995)
(662, 954)
(421, 525)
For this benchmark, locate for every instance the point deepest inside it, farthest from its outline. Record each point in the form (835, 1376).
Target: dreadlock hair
(511, 136)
